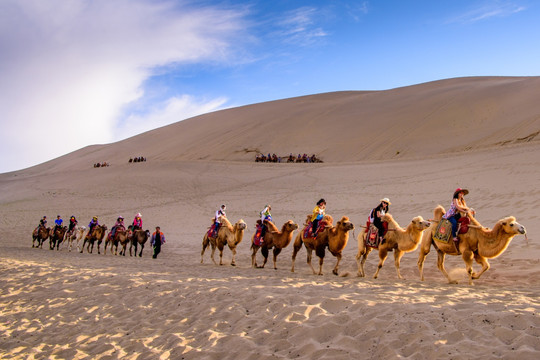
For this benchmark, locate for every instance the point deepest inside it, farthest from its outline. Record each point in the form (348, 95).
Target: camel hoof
(233, 264)
(334, 272)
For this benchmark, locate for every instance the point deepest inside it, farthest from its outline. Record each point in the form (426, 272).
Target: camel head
(510, 226)
(344, 224)
(240, 225)
(419, 223)
(289, 226)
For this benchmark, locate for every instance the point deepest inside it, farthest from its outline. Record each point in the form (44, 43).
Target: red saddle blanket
(308, 230)
(258, 239)
(213, 230)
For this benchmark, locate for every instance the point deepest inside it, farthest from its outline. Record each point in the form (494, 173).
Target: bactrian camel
(227, 235)
(75, 234)
(397, 239)
(334, 238)
(40, 234)
(97, 234)
(477, 243)
(273, 238)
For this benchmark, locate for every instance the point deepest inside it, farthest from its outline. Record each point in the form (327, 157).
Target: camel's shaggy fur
(227, 235)
(478, 243)
(397, 239)
(274, 238)
(334, 238)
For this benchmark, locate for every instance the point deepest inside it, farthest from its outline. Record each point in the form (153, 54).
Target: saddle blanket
(258, 239)
(372, 237)
(443, 231)
(308, 230)
(212, 231)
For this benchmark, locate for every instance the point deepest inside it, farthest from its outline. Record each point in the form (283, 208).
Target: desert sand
(71, 305)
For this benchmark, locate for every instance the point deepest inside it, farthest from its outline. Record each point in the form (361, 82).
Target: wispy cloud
(68, 69)
(300, 26)
(487, 11)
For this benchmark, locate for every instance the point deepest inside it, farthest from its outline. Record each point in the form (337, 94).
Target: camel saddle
(372, 237)
(308, 230)
(443, 231)
(258, 239)
(213, 230)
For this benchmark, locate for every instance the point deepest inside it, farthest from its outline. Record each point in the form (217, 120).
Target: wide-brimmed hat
(386, 200)
(458, 190)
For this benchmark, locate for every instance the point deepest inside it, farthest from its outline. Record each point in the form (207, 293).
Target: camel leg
(360, 259)
(105, 248)
(398, 254)
(233, 262)
(82, 247)
(383, 254)
(309, 256)
(421, 259)
(264, 252)
(336, 268)
(205, 244)
(221, 255)
(98, 245)
(212, 254)
(254, 256)
(296, 247)
(485, 266)
(276, 253)
(440, 265)
(321, 260)
(468, 256)
(142, 247)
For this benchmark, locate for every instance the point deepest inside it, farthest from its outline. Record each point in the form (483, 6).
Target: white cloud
(69, 67)
(299, 26)
(487, 11)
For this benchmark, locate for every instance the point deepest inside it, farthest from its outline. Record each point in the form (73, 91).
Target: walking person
(156, 241)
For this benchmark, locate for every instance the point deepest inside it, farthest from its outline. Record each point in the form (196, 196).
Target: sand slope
(60, 304)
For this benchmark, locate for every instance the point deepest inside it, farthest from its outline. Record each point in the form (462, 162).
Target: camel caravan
(470, 240)
(95, 234)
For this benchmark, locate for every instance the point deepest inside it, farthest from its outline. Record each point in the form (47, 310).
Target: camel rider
(72, 223)
(93, 223)
(375, 217)
(58, 222)
(137, 222)
(458, 208)
(217, 218)
(43, 222)
(318, 214)
(265, 215)
(119, 222)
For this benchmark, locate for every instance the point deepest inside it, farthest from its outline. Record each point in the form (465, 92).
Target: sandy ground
(66, 305)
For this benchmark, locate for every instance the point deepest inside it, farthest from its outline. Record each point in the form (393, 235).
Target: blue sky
(98, 71)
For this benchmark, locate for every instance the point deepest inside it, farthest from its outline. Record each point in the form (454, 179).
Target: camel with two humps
(310, 243)
(40, 234)
(273, 239)
(478, 244)
(139, 237)
(228, 235)
(397, 239)
(120, 238)
(75, 234)
(97, 234)
(334, 238)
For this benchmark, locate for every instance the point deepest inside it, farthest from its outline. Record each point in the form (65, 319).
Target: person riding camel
(58, 222)
(42, 222)
(217, 219)
(318, 214)
(458, 209)
(137, 222)
(265, 215)
(375, 216)
(72, 223)
(93, 223)
(119, 222)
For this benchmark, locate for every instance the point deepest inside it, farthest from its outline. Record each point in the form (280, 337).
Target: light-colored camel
(75, 234)
(97, 233)
(273, 238)
(310, 243)
(40, 234)
(120, 237)
(334, 238)
(139, 237)
(397, 239)
(478, 243)
(227, 235)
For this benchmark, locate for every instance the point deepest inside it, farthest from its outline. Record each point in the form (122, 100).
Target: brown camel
(227, 235)
(40, 234)
(120, 237)
(310, 243)
(334, 238)
(57, 236)
(273, 239)
(139, 237)
(477, 243)
(397, 239)
(97, 233)
(75, 234)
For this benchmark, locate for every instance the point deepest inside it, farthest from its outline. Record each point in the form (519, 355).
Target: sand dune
(60, 304)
